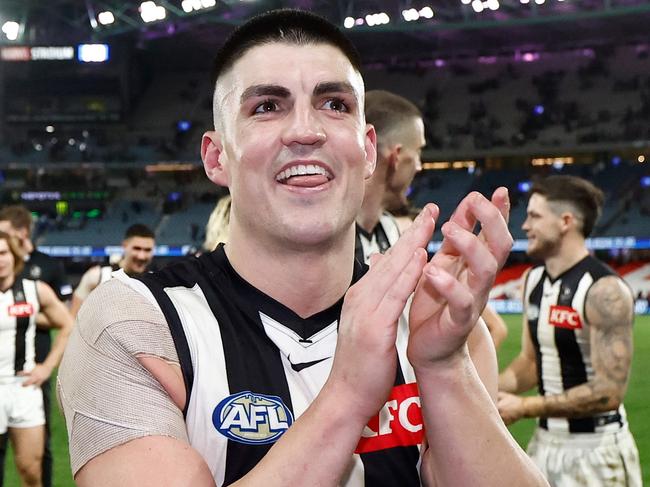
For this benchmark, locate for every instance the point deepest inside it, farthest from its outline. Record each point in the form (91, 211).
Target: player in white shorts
(21, 398)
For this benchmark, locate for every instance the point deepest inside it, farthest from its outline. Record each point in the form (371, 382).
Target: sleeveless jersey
(106, 271)
(18, 309)
(383, 237)
(251, 367)
(555, 311)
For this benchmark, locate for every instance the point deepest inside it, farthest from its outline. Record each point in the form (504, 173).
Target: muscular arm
(58, 317)
(609, 311)
(89, 281)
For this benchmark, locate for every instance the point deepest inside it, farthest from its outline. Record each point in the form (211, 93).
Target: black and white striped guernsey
(18, 309)
(560, 332)
(383, 237)
(252, 366)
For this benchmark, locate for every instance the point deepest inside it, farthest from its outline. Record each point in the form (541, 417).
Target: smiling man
(576, 345)
(275, 359)
(138, 247)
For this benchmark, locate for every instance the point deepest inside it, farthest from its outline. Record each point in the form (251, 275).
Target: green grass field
(636, 403)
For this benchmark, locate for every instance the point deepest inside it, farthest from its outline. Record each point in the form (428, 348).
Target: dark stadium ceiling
(456, 28)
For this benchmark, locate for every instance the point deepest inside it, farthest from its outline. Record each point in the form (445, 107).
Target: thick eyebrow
(264, 90)
(333, 87)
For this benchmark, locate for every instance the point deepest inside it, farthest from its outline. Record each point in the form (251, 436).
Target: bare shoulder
(45, 292)
(609, 302)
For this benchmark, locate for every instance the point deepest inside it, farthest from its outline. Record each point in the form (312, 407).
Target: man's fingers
(375, 259)
(501, 200)
(459, 299)
(463, 217)
(388, 269)
(494, 226)
(395, 298)
(482, 265)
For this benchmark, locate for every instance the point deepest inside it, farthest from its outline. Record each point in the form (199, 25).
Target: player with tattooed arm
(576, 345)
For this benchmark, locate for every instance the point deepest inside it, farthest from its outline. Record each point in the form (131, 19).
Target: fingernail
(450, 229)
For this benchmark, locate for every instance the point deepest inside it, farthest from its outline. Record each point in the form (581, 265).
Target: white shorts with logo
(587, 459)
(20, 407)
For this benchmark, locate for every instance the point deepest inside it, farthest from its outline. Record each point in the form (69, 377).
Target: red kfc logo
(20, 310)
(399, 422)
(564, 317)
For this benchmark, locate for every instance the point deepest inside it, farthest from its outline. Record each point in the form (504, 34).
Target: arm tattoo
(610, 313)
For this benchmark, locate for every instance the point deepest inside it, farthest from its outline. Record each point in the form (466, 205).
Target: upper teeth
(302, 170)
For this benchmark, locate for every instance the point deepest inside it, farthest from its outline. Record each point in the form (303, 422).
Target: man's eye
(336, 104)
(267, 106)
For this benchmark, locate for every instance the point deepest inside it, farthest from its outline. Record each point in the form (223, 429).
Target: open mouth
(304, 175)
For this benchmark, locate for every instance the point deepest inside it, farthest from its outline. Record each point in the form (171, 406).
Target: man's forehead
(6, 226)
(140, 241)
(259, 66)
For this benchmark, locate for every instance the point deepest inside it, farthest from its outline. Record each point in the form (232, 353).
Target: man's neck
(570, 252)
(372, 206)
(6, 283)
(307, 281)
(28, 246)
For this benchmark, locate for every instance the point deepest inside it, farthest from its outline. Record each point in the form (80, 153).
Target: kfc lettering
(399, 422)
(20, 310)
(564, 317)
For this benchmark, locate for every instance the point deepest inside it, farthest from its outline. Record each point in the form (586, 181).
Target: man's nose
(304, 127)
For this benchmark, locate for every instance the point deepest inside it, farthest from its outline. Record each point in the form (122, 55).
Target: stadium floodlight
(524, 1)
(540, 2)
(477, 5)
(195, 5)
(49, 129)
(11, 30)
(106, 17)
(426, 12)
(348, 23)
(150, 12)
(410, 14)
(492, 4)
(379, 18)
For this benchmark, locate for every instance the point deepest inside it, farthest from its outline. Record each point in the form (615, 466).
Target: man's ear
(568, 220)
(211, 154)
(370, 150)
(393, 155)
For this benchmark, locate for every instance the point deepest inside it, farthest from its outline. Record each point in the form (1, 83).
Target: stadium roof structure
(437, 28)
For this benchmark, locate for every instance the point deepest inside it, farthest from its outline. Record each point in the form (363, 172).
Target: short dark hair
(284, 25)
(584, 196)
(386, 110)
(19, 217)
(139, 230)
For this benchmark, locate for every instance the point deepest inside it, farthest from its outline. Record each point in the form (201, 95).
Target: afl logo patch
(250, 418)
